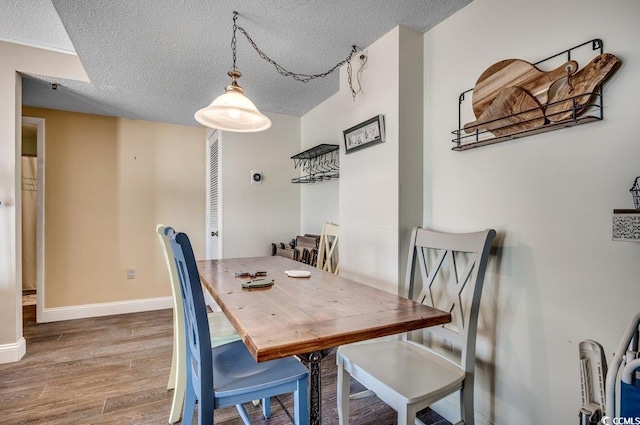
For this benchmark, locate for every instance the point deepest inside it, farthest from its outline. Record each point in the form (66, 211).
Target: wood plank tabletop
(304, 315)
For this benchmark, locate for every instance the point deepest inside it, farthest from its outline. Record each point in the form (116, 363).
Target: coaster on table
(257, 284)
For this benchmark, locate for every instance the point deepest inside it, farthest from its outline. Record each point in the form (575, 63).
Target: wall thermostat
(256, 177)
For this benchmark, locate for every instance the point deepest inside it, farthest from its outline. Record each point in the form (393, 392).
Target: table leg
(315, 384)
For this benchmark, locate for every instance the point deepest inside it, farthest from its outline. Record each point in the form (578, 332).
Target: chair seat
(236, 372)
(222, 331)
(409, 373)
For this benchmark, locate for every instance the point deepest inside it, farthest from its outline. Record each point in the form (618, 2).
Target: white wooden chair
(410, 375)
(328, 256)
(223, 331)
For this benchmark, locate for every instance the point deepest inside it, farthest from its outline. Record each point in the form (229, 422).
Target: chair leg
(344, 384)
(300, 406)
(178, 398)
(243, 414)
(407, 415)
(179, 348)
(174, 358)
(205, 411)
(266, 407)
(466, 402)
(189, 407)
(174, 416)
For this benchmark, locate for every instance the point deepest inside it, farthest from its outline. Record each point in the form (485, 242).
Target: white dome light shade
(233, 112)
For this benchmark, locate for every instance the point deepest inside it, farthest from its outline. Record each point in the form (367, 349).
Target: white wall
(319, 201)
(254, 216)
(13, 59)
(369, 177)
(558, 278)
(118, 178)
(380, 187)
(410, 141)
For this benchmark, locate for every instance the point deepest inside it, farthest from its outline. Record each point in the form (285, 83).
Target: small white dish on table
(297, 273)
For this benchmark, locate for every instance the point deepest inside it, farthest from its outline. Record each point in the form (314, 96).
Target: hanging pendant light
(233, 111)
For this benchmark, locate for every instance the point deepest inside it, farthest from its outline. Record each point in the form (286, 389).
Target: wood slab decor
(576, 92)
(513, 96)
(516, 73)
(513, 110)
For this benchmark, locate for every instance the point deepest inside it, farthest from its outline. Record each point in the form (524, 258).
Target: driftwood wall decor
(514, 98)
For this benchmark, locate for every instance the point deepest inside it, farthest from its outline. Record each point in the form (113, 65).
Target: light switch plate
(256, 177)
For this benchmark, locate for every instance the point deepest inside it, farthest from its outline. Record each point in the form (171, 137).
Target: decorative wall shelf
(320, 163)
(519, 113)
(626, 225)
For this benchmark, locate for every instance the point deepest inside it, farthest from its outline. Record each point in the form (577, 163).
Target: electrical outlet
(362, 55)
(131, 273)
(446, 344)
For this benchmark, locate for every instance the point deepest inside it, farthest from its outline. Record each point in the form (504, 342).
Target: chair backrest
(163, 234)
(198, 358)
(448, 264)
(328, 256)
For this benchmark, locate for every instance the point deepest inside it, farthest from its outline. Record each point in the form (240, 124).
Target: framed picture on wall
(365, 134)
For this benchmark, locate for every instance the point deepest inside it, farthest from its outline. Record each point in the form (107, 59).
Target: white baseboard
(10, 353)
(449, 408)
(104, 309)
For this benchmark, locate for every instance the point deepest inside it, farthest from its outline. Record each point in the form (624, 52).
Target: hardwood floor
(114, 370)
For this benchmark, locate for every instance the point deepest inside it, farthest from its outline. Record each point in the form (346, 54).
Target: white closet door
(214, 234)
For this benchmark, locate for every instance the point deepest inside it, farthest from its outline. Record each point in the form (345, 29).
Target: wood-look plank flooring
(114, 370)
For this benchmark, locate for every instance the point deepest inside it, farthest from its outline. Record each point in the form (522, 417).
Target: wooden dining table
(307, 317)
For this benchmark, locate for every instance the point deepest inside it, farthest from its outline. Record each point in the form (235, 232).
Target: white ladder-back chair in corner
(328, 255)
(410, 375)
(223, 331)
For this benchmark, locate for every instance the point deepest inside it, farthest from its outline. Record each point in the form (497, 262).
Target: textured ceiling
(34, 23)
(162, 60)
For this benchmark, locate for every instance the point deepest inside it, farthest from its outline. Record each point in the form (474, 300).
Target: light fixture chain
(234, 40)
(296, 76)
(349, 72)
(355, 92)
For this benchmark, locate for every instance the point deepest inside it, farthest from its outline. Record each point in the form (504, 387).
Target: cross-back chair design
(227, 375)
(410, 375)
(328, 256)
(222, 331)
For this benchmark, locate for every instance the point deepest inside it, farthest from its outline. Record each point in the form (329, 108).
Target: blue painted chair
(222, 331)
(227, 375)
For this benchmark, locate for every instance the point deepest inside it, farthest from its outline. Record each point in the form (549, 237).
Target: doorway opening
(32, 210)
